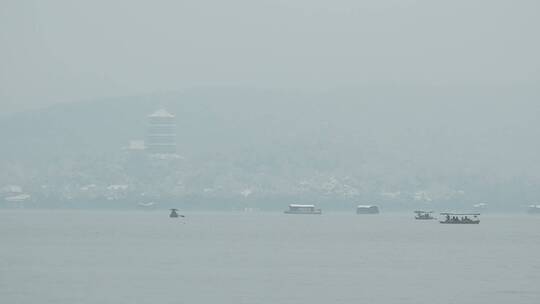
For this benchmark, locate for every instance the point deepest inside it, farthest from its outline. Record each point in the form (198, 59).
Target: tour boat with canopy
(460, 218)
(302, 209)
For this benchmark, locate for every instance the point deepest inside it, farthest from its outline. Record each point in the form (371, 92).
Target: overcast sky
(63, 50)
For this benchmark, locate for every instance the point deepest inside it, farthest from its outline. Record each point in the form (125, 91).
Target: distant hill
(380, 139)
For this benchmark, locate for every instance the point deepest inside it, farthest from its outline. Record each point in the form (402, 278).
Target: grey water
(146, 257)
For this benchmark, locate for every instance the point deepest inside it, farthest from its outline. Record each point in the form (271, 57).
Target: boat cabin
(367, 209)
(423, 215)
(460, 218)
(303, 209)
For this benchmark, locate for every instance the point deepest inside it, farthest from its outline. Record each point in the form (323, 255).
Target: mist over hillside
(405, 146)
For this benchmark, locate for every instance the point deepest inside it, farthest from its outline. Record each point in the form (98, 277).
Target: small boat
(174, 213)
(423, 215)
(367, 209)
(302, 209)
(460, 218)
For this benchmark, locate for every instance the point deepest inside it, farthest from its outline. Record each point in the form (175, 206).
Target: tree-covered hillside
(400, 145)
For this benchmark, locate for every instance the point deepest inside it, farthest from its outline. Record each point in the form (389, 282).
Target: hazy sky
(63, 50)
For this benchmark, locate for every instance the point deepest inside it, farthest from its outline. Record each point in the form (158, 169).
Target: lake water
(146, 257)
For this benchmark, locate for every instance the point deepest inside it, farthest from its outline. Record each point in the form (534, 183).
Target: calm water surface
(145, 257)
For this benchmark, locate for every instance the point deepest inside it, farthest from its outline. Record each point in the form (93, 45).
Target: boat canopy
(301, 206)
(366, 206)
(449, 213)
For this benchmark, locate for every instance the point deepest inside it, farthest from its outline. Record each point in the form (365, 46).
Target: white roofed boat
(302, 209)
(367, 209)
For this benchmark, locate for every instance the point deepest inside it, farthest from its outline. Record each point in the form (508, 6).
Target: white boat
(302, 209)
(367, 209)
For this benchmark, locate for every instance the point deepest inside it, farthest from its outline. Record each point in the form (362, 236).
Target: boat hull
(303, 212)
(367, 210)
(461, 223)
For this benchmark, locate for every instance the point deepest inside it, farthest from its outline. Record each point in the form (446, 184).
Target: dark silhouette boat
(460, 218)
(174, 213)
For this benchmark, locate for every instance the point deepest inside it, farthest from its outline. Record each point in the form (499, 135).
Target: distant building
(136, 145)
(534, 209)
(161, 133)
(21, 198)
(14, 194)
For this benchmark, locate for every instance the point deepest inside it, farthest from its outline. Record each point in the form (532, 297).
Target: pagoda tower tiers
(161, 133)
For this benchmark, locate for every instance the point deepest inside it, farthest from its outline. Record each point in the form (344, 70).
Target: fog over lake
(64, 51)
(266, 126)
